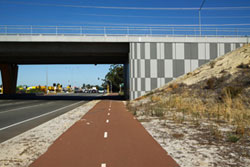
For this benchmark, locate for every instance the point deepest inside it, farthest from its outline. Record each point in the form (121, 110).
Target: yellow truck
(31, 87)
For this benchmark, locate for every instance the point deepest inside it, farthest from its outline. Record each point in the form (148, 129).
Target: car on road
(77, 90)
(93, 91)
(86, 91)
(101, 90)
(65, 89)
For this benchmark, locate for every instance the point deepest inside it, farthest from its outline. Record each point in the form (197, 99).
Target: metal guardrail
(122, 31)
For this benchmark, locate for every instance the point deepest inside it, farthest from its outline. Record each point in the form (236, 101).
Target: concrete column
(9, 78)
(126, 80)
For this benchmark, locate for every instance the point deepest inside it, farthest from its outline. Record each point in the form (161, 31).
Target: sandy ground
(189, 147)
(216, 68)
(23, 149)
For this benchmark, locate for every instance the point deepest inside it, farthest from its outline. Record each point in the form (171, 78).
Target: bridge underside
(63, 53)
(14, 53)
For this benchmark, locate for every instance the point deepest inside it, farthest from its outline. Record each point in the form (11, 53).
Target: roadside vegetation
(115, 79)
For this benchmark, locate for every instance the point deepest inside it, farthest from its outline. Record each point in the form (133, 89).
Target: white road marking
(15, 102)
(108, 113)
(105, 134)
(30, 119)
(103, 165)
(107, 121)
(109, 109)
(24, 107)
(110, 104)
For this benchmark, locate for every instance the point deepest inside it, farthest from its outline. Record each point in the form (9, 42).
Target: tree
(116, 76)
(58, 85)
(88, 86)
(97, 87)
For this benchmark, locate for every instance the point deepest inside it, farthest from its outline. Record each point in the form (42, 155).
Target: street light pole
(200, 21)
(47, 79)
(106, 80)
(200, 14)
(110, 85)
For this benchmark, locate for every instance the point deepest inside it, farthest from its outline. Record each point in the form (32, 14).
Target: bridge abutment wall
(154, 64)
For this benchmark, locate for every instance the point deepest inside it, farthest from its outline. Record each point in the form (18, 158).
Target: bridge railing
(121, 31)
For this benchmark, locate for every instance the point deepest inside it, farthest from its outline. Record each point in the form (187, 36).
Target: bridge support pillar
(126, 80)
(9, 78)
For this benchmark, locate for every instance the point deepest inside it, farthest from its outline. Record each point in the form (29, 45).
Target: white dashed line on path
(108, 113)
(105, 134)
(103, 165)
(110, 104)
(109, 109)
(107, 121)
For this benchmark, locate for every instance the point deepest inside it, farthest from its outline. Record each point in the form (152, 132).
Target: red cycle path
(127, 143)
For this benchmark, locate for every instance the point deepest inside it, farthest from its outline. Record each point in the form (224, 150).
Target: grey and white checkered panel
(152, 65)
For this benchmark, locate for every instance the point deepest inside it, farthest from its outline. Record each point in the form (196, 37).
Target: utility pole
(110, 85)
(47, 79)
(200, 14)
(107, 81)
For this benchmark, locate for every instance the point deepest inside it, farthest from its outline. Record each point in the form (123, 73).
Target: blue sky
(58, 13)
(74, 75)
(45, 12)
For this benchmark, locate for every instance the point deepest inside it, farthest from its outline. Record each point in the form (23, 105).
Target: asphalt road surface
(20, 115)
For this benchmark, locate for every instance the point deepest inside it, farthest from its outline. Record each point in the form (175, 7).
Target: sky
(129, 13)
(74, 75)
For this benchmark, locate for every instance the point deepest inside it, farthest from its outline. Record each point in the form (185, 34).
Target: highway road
(20, 115)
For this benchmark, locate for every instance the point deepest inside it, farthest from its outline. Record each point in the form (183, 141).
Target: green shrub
(158, 112)
(232, 138)
(243, 66)
(34, 91)
(134, 112)
(211, 83)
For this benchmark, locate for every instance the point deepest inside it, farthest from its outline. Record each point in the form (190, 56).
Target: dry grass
(155, 98)
(187, 107)
(178, 135)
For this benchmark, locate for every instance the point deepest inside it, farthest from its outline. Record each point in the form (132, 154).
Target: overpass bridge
(151, 56)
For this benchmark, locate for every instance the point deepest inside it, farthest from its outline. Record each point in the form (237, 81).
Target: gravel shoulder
(194, 146)
(23, 149)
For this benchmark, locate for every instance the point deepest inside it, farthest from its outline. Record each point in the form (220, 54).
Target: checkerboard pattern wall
(152, 65)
